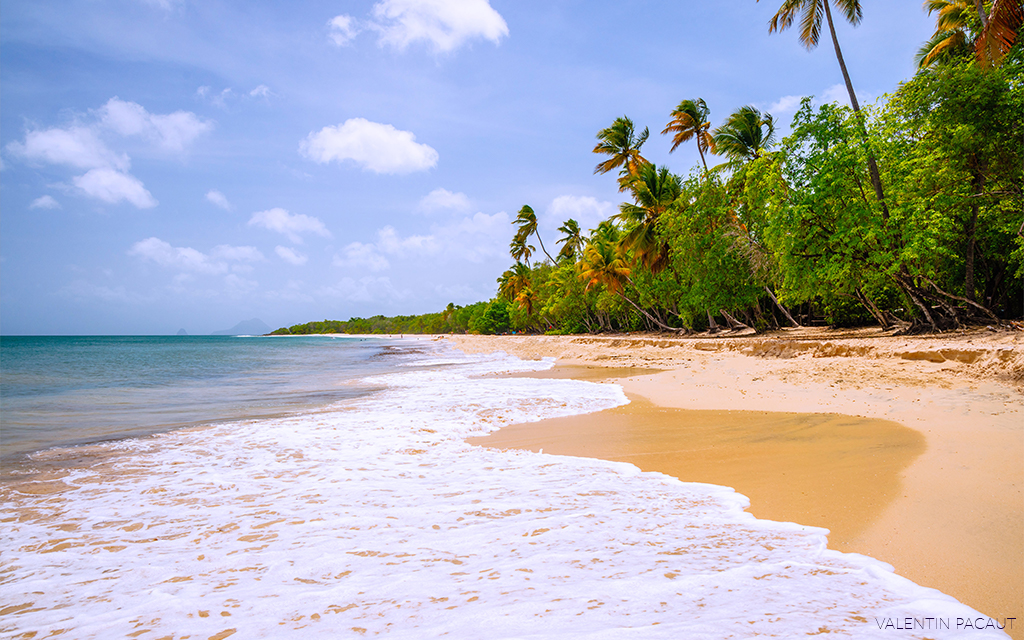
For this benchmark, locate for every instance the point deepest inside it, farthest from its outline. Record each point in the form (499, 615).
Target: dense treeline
(480, 317)
(908, 213)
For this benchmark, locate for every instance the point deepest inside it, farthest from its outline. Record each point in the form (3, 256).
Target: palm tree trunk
(784, 310)
(537, 233)
(977, 181)
(876, 180)
(981, 13)
(643, 311)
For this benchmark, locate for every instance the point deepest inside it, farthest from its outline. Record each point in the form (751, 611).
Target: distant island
(254, 327)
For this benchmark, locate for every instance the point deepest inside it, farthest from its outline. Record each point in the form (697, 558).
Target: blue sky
(176, 164)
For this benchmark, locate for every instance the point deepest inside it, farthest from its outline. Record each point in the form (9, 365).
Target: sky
(189, 164)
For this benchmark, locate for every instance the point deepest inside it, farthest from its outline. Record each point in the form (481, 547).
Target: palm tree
(746, 135)
(573, 240)
(810, 32)
(515, 286)
(998, 30)
(520, 250)
(963, 27)
(654, 190)
(952, 38)
(527, 222)
(623, 145)
(603, 262)
(689, 121)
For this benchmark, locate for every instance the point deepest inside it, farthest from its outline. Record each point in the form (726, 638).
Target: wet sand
(915, 461)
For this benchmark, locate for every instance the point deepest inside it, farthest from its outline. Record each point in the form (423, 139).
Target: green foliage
(494, 319)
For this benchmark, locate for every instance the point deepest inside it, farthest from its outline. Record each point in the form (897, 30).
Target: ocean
(320, 487)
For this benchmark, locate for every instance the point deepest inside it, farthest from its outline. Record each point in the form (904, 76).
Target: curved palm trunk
(876, 180)
(647, 315)
(537, 233)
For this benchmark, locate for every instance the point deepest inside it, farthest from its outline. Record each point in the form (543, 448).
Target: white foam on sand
(376, 518)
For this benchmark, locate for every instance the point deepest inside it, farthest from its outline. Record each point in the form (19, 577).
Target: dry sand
(915, 456)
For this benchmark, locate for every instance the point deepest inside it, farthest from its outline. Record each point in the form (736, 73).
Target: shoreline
(950, 518)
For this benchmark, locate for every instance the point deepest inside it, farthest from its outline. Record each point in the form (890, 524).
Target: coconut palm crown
(622, 144)
(745, 135)
(690, 121)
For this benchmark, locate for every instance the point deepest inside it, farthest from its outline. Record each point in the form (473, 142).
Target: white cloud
(364, 256)
(236, 285)
(343, 30)
(236, 254)
(218, 100)
(113, 186)
(171, 132)
(289, 224)
(290, 255)
(77, 146)
(262, 91)
(586, 210)
(388, 241)
(786, 105)
(188, 261)
(181, 258)
(381, 148)
(440, 199)
(219, 199)
(470, 239)
(44, 202)
(443, 24)
(84, 145)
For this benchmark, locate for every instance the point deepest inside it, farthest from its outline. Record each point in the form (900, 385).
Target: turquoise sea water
(65, 390)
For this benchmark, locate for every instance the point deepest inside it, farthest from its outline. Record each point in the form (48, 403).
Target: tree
(746, 135)
(952, 39)
(690, 121)
(604, 263)
(527, 223)
(999, 30)
(810, 32)
(963, 28)
(654, 190)
(623, 145)
(572, 243)
(520, 250)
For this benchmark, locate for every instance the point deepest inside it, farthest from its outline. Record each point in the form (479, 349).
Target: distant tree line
(481, 317)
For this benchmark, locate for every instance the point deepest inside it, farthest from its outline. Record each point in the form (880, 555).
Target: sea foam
(374, 517)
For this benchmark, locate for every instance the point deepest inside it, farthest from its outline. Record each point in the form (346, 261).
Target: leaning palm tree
(811, 12)
(520, 250)
(745, 136)
(603, 262)
(623, 145)
(572, 243)
(527, 223)
(690, 121)
(654, 191)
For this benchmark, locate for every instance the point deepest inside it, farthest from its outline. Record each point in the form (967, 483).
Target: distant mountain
(254, 327)
(182, 332)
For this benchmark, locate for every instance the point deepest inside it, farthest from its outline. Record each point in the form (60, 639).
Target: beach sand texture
(914, 454)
